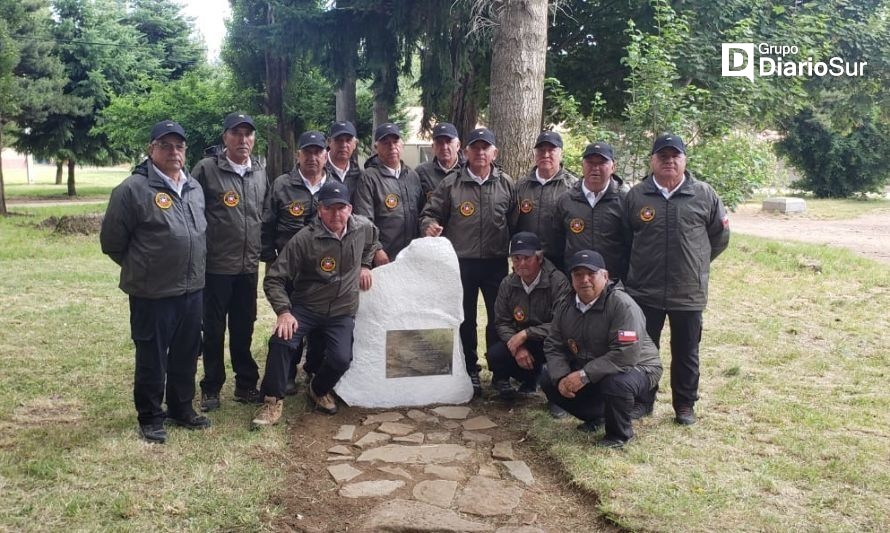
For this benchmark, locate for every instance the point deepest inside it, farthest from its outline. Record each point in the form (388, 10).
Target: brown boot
(324, 403)
(270, 413)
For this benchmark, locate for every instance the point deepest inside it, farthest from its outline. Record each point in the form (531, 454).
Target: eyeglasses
(164, 145)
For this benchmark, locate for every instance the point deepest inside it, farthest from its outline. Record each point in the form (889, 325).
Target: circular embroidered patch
(467, 208)
(296, 208)
(231, 198)
(647, 214)
(328, 264)
(576, 225)
(391, 201)
(526, 205)
(163, 200)
(573, 346)
(519, 314)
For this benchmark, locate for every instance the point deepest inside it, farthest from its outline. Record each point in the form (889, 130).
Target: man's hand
(364, 279)
(380, 258)
(286, 325)
(571, 384)
(516, 341)
(524, 358)
(433, 230)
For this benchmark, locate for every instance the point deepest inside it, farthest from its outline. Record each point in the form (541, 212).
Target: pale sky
(209, 16)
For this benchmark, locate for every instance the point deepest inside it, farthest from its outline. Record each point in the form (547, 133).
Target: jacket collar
(576, 193)
(465, 174)
(544, 283)
(146, 168)
(686, 189)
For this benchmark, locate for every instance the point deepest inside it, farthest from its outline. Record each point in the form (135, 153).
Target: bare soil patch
(312, 502)
(867, 235)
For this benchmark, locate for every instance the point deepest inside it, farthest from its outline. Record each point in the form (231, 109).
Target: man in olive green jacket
(154, 228)
(447, 158)
(678, 225)
(326, 264)
(600, 361)
(235, 189)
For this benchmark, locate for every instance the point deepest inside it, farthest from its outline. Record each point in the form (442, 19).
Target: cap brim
(319, 145)
(333, 201)
(589, 154)
(524, 252)
(588, 266)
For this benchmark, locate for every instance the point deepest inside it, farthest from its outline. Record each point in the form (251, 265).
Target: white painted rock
(420, 290)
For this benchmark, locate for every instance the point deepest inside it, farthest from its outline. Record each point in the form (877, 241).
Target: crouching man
(601, 362)
(326, 263)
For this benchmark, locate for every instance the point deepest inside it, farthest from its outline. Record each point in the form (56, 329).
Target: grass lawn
(794, 416)
(69, 455)
(827, 208)
(91, 182)
(794, 427)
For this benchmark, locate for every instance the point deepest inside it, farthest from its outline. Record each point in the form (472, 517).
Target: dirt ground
(312, 502)
(868, 235)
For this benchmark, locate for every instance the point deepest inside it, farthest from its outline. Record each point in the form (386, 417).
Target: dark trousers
(167, 335)
(232, 297)
(337, 332)
(479, 275)
(503, 365)
(314, 343)
(612, 397)
(686, 327)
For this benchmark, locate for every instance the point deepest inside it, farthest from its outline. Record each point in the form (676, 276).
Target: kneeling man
(326, 263)
(600, 360)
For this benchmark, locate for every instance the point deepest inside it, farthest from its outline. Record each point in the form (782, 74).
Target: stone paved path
(456, 479)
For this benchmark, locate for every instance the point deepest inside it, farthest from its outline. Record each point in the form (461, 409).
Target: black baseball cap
(587, 259)
(164, 127)
(387, 129)
(525, 243)
(599, 148)
(549, 137)
(237, 118)
(445, 129)
(481, 134)
(333, 192)
(342, 128)
(311, 138)
(668, 140)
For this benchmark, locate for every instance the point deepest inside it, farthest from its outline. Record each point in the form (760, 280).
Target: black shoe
(612, 442)
(291, 389)
(209, 401)
(591, 426)
(154, 433)
(528, 388)
(477, 384)
(190, 421)
(251, 396)
(556, 411)
(503, 388)
(685, 414)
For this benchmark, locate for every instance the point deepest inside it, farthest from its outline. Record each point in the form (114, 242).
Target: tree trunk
(464, 108)
(519, 51)
(71, 190)
(59, 165)
(345, 95)
(280, 153)
(3, 211)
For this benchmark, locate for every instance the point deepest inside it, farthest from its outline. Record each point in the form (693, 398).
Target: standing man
(154, 228)
(390, 194)
(591, 215)
(678, 226)
(539, 191)
(325, 265)
(599, 357)
(342, 142)
(472, 208)
(234, 185)
(291, 207)
(446, 157)
(523, 311)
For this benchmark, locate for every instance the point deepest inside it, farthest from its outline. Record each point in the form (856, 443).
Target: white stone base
(421, 289)
(785, 205)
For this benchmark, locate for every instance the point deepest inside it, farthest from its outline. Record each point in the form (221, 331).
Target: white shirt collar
(241, 170)
(313, 189)
(332, 234)
(594, 197)
(340, 172)
(449, 169)
(530, 287)
(541, 180)
(664, 191)
(582, 306)
(476, 178)
(393, 171)
(176, 186)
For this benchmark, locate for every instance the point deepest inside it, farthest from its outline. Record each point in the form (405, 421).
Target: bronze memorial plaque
(419, 352)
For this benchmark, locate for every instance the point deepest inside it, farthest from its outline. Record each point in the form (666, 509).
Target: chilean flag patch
(627, 336)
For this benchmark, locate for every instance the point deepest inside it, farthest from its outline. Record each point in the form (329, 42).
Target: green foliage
(835, 164)
(199, 101)
(735, 165)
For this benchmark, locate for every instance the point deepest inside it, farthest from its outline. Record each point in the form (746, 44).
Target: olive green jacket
(537, 208)
(392, 203)
(515, 310)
